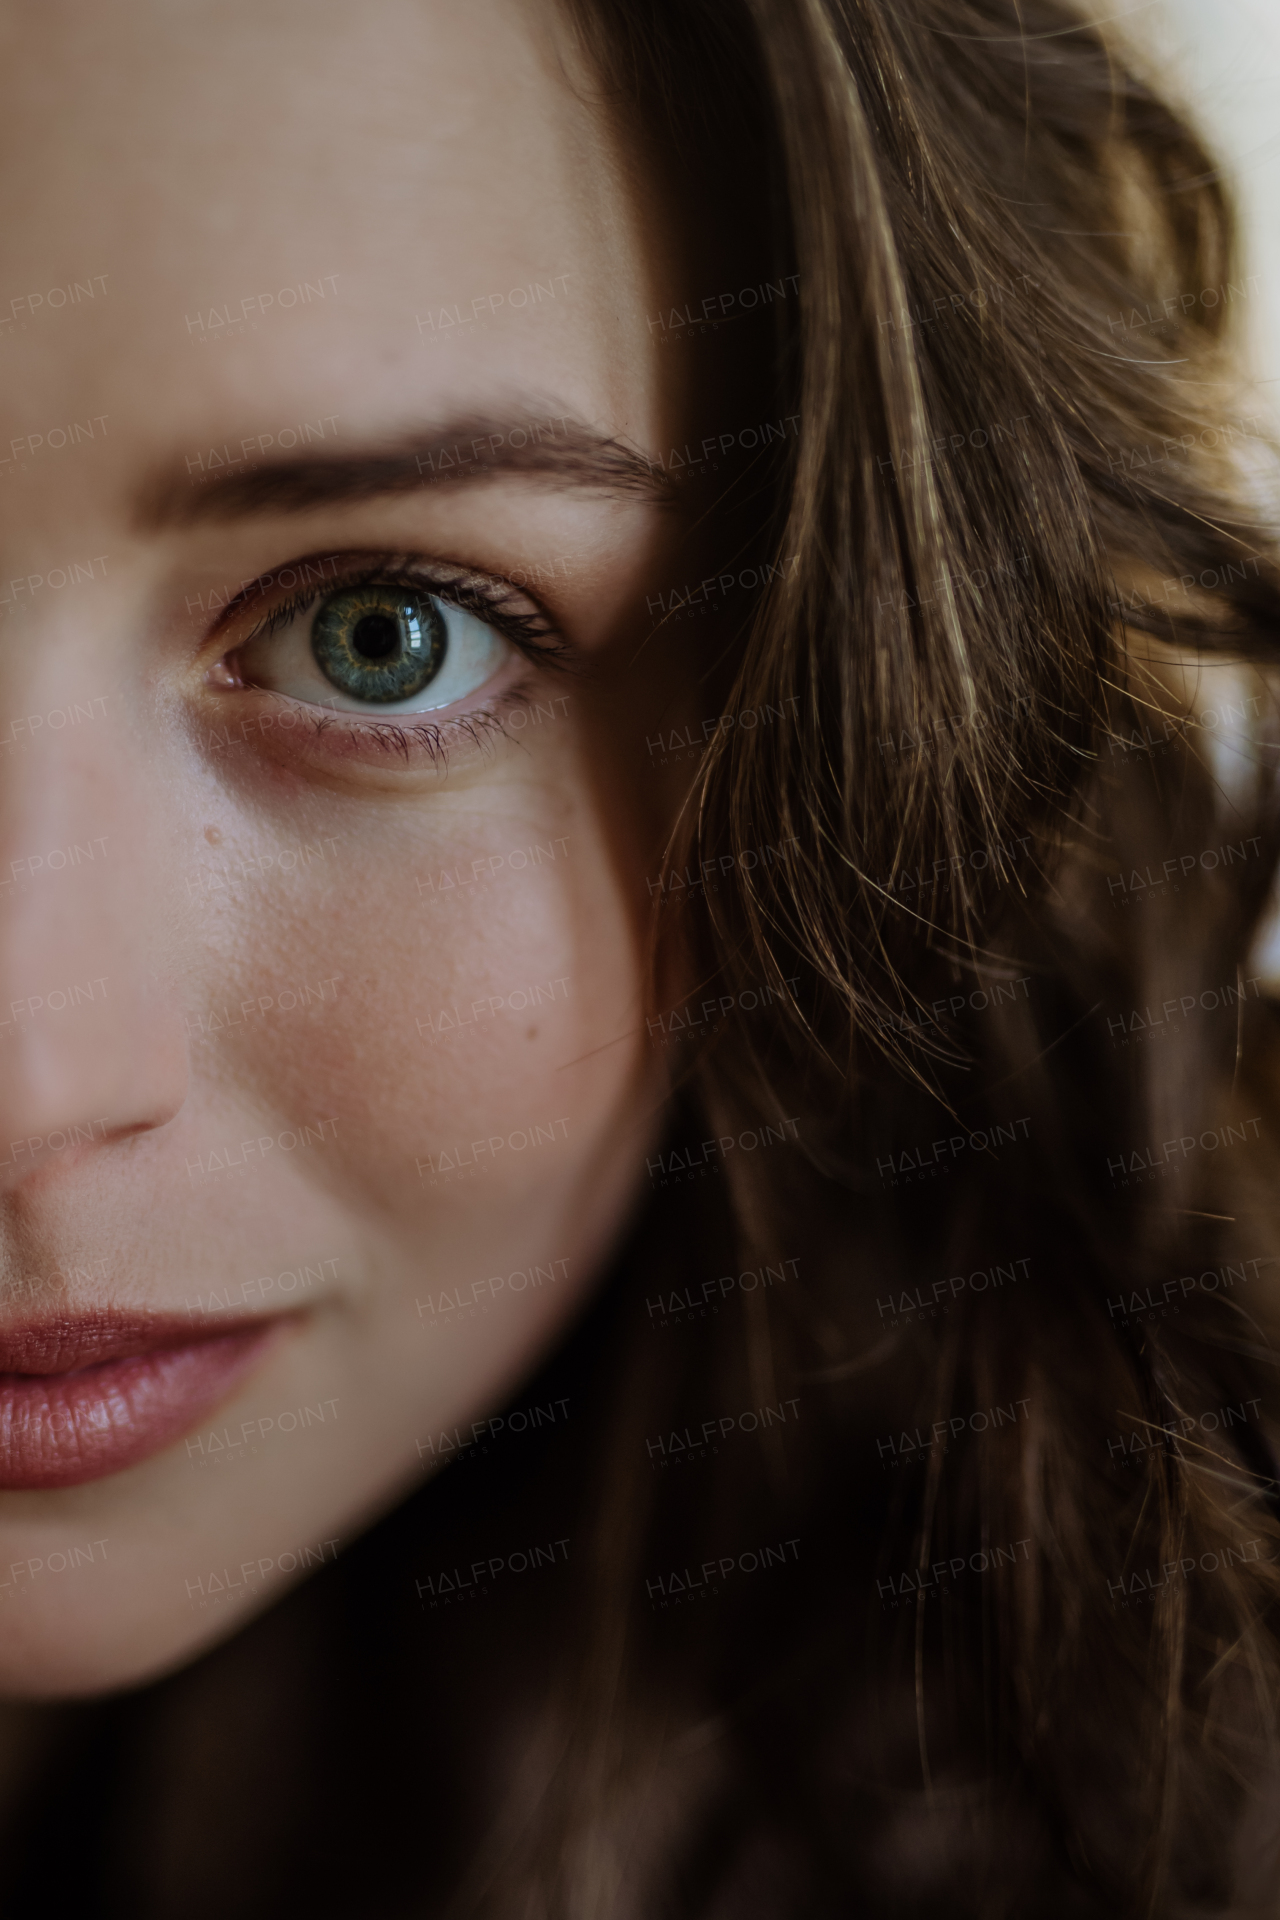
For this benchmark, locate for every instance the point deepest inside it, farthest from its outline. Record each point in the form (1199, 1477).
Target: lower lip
(64, 1429)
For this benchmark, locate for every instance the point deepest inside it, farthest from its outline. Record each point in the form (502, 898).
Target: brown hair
(1018, 489)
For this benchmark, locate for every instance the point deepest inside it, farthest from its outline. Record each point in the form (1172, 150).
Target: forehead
(265, 194)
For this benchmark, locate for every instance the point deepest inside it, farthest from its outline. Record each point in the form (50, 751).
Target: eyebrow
(227, 482)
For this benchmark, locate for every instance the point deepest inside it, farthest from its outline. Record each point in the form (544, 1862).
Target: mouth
(84, 1398)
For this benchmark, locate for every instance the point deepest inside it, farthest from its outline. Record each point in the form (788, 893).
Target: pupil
(376, 636)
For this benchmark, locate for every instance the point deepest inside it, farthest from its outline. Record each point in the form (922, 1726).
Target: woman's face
(325, 690)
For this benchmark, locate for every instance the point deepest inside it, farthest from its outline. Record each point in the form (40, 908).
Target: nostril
(75, 1087)
(62, 1145)
(130, 1129)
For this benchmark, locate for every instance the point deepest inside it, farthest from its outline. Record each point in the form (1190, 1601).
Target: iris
(379, 643)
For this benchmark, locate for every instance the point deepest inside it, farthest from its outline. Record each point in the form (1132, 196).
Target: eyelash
(533, 634)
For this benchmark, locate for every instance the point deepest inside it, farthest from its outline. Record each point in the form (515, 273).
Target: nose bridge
(88, 1033)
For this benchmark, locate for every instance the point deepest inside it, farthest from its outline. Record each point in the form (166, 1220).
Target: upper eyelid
(437, 577)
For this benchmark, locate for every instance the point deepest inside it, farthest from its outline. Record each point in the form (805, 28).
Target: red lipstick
(82, 1398)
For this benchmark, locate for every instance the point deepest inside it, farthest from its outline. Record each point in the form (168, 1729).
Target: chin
(76, 1650)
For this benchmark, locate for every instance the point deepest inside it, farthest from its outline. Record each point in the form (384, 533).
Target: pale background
(1220, 61)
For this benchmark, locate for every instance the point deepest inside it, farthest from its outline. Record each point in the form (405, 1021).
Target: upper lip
(68, 1342)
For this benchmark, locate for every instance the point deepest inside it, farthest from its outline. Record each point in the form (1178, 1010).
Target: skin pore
(237, 946)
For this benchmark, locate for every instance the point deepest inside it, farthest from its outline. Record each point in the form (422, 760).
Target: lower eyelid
(425, 741)
(422, 740)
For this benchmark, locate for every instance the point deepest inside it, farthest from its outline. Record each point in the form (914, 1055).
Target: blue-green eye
(382, 647)
(379, 644)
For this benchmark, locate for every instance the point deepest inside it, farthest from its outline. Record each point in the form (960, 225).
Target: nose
(92, 1046)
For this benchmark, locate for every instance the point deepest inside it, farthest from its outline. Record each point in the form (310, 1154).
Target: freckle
(532, 1034)
(214, 836)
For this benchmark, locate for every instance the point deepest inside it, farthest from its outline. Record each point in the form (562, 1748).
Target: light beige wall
(1222, 60)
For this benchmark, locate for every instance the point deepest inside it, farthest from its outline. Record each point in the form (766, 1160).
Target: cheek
(470, 1016)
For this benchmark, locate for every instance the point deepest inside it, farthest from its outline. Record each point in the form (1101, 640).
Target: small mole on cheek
(214, 836)
(532, 1034)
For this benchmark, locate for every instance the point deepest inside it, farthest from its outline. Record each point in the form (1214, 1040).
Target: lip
(83, 1398)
